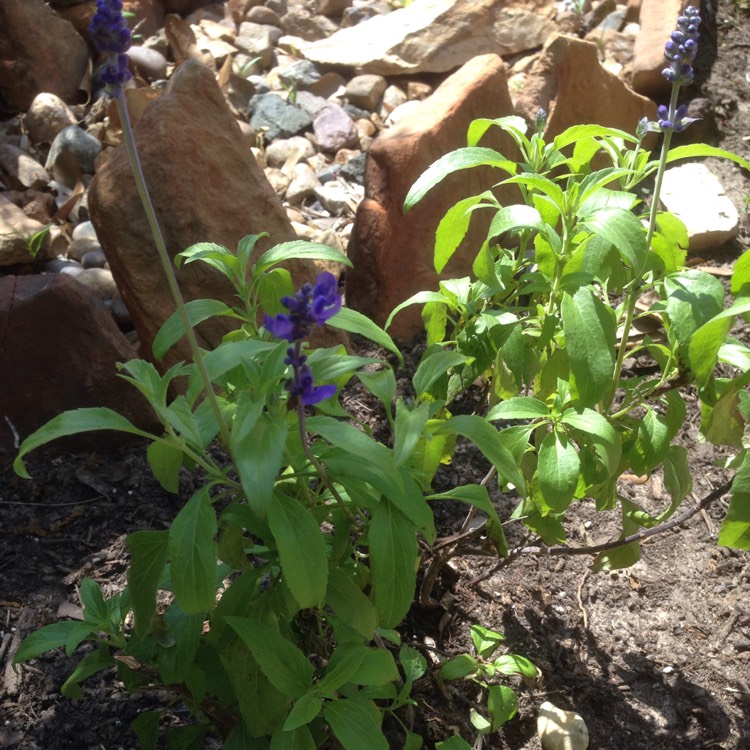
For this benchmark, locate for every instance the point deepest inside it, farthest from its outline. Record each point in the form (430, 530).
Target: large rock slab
(392, 252)
(39, 52)
(435, 36)
(694, 194)
(568, 82)
(205, 185)
(58, 350)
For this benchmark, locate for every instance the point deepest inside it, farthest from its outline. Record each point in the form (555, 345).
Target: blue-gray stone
(278, 118)
(75, 142)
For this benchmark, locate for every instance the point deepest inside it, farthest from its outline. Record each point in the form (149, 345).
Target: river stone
(23, 171)
(561, 730)
(276, 117)
(46, 117)
(73, 151)
(334, 129)
(148, 63)
(99, 280)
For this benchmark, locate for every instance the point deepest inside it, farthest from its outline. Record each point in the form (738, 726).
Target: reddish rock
(205, 185)
(393, 252)
(39, 51)
(58, 351)
(658, 19)
(569, 83)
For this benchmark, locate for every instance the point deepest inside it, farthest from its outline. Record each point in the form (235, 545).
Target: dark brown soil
(654, 657)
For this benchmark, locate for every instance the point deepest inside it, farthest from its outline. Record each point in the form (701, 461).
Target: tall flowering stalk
(111, 36)
(680, 52)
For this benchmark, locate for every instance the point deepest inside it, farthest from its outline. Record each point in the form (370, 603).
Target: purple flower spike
(111, 36)
(311, 305)
(682, 48)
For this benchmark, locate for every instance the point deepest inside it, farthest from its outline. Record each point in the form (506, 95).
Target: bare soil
(654, 657)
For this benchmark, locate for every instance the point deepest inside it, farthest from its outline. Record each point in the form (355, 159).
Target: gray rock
(330, 84)
(23, 171)
(311, 103)
(84, 230)
(148, 63)
(354, 169)
(614, 20)
(284, 153)
(99, 280)
(73, 151)
(119, 310)
(276, 117)
(94, 259)
(63, 265)
(335, 197)
(300, 23)
(78, 248)
(279, 7)
(255, 40)
(46, 117)
(366, 91)
(301, 75)
(303, 184)
(334, 129)
(263, 15)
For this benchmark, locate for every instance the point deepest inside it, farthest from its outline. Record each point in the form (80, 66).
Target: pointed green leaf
(433, 366)
(352, 321)
(624, 230)
(701, 149)
(303, 711)
(298, 249)
(296, 739)
(272, 287)
(295, 529)
(408, 429)
(92, 663)
(651, 445)
(502, 705)
(452, 229)
(355, 722)
(165, 461)
(73, 423)
(350, 604)
(148, 553)
(519, 407)
(735, 531)
(198, 310)
(741, 276)
(193, 554)
(52, 636)
(146, 728)
(393, 559)
(590, 338)
(558, 467)
(285, 666)
(462, 158)
(600, 434)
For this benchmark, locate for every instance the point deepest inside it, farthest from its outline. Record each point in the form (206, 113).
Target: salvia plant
(270, 605)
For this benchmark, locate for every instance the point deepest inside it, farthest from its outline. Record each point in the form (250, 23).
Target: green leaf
(146, 728)
(52, 636)
(272, 287)
(462, 158)
(303, 711)
(651, 445)
(353, 440)
(626, 555)
(356, 724)
(485, 640)
(73, 423)
(198, 310)
(412, 662)
(382, 385)
(741, 276)
(515, 218)
(95, 609)
(677, 478)
(186, 738)
(176, 661)
(486, 438)
(433, 366)
(257, 445)
(298, 249)
(515, 664)
(502, 705)
(735, 531)
(296, 739)
(590, 338)
(148, 553)
(393, 559)
(165, 461)
(285, 666)
(454, 743)
(603, 436)
(350, 604)
(352, 321)
(413, 741)
(92, 663)
(458, 667)
(452, 229)
(408, 429)
(193, 554)
(519, 407)
(624, 230)
(581, 132)
(295, 529)
(558, 467)
(701, 149)
(693, 298)
(705, 343)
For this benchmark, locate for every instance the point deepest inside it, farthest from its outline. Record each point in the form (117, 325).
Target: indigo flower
(111, 36)
(680, 121)
(311, 305)
(682, 48)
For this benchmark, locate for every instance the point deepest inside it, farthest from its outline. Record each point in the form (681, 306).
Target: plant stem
(174, 288)
(632, 296)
